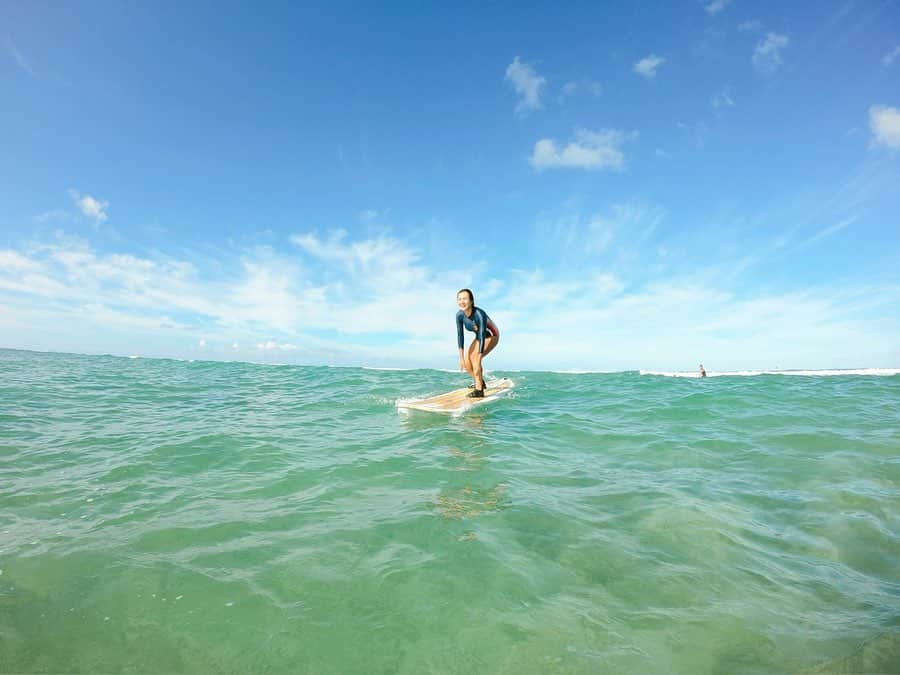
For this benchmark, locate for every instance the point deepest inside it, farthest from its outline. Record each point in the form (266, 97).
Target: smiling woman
(487, 336)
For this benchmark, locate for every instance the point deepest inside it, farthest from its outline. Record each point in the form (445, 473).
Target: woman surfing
(487, 335)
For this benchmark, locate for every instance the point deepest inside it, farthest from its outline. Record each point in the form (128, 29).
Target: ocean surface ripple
(170, 516)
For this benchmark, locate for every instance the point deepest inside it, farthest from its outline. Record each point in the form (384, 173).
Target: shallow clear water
(160, 515)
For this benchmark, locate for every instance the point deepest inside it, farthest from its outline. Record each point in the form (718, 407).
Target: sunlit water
(160, 515)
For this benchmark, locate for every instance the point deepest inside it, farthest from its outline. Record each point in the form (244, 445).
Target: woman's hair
(471, 295)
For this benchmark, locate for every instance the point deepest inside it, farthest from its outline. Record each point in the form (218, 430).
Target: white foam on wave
(845, 371)
(753, 373)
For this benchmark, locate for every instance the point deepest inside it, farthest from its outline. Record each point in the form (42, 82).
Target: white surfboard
(457, 401)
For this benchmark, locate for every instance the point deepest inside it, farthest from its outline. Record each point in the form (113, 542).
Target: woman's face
(462, 299)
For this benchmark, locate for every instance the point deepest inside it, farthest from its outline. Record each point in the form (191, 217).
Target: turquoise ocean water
(168, 516)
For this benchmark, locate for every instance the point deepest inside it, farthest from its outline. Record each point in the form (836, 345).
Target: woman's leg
(467, 362)
(475, 358)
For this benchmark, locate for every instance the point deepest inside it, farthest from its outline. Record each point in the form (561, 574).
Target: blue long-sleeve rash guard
(480, 323)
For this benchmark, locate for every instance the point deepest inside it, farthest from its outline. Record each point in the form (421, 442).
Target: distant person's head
(465, 299)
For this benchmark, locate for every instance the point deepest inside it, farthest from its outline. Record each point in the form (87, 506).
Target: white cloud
(614, 235)
(535, 289)
(360, 279)
(527, 84)
(767, 55)
(20, 60)
(91, 207)
(14, 261)
(269, 303)
(106, 318)
(24, 275)
(889, 58)
(378, 262)
(202, 344)
(571, 88)
(271, 295)
(71, 271)
(605, 284)
(271, 345)
(831, 229)
(600, 235)
(266, 293)
(589, 150)
(716, 6)
(647, 66)
(722, 99)
(697, 322)
(884, 122)
(55, 215)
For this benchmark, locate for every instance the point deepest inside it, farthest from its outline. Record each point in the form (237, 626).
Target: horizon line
(866, 370)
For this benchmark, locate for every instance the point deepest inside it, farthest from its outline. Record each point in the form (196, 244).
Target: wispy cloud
(72, 272)
(884, 122)
(697, 322)
(15, 262)
(263, 292)
(589, 150)
(750, 26)
(527, 84)
(379, 261)
(767, 54)
(331, 299)
(843, 11)
(613, 237)
(270, 345)
(889, 58)
(111, 301)
(91, 207)
(54, 215)
(832, 229)
(648, 66)
(722, 99)
(715, 7)
(573, 87)
(17, 56)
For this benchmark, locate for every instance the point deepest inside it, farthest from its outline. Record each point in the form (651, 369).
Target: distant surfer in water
(702, 371)
(487, 335)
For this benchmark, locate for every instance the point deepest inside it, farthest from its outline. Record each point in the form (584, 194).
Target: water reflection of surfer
(487, 335)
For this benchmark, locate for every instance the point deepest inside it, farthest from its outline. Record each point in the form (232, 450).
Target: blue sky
(650, 186)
